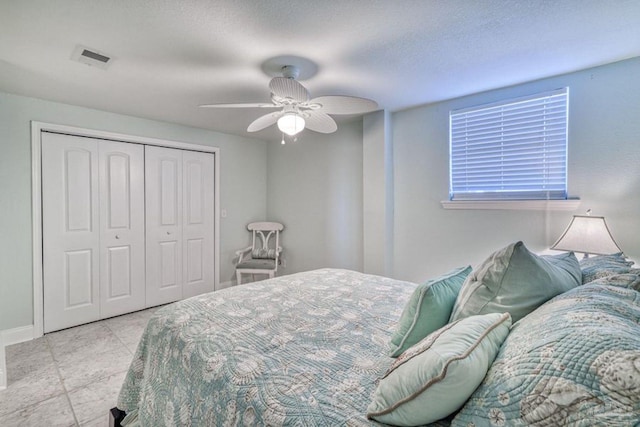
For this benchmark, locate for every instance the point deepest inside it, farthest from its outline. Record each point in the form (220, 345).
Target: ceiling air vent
(92, 57)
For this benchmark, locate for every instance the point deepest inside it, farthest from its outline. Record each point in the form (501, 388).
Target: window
(512, 150)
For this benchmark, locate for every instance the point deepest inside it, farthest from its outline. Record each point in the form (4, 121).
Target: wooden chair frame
(258, 230)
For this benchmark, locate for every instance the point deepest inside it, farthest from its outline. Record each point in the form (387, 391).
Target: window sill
(531, 205)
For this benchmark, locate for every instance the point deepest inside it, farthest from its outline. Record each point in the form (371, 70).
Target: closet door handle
(168, 233)
(117, 236)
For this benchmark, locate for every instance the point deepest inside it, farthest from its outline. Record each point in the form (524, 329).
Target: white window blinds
(512, 150)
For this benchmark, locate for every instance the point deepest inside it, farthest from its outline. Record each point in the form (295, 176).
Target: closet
(125, 226)
(179, 221)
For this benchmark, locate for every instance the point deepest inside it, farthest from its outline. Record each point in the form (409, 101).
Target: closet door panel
(194, 260)
(78, 278)
(198, 228)
(163, 180)
(70, 228)
(122, 247)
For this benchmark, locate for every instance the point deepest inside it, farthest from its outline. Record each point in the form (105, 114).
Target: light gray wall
(315, 190)
(315, 186)
(377, 171)
(604, 172)
(242, 187)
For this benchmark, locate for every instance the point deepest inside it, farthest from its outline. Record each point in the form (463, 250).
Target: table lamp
(589, 235)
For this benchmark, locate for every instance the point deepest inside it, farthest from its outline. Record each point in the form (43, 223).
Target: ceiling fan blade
(248, 105)
(284, 87)
(264, 121)
(319, 122)
(338, 104)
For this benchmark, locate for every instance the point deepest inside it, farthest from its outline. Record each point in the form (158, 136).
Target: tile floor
(71, 377)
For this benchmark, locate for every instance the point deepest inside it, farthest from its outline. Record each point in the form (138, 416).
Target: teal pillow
(517, 281)
(428, 309)
(597, 267)
(434, 378)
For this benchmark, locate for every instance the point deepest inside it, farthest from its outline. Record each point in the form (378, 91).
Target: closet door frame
(36, 198)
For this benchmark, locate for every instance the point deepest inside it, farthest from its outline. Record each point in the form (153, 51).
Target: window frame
(497, 120)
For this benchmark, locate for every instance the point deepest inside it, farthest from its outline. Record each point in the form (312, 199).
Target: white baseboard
(17, 335)
(9, 337)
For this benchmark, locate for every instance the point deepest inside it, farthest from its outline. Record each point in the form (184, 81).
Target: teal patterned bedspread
(304, 350)
(575, 361)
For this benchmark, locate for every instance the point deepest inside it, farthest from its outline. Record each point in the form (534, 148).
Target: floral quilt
(575, 361)
(304, 350)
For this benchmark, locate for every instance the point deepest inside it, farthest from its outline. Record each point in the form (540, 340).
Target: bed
(313, 349)
(306, 348)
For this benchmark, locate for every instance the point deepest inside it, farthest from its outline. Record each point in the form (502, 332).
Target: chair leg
(238, 278)
(272, 274)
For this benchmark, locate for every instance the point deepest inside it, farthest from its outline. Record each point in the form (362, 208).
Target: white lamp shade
(589, 235)
(291, 124)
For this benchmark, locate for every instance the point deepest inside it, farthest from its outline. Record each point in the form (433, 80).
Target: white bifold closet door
(179, 224)
(93, 229)
(122, 281)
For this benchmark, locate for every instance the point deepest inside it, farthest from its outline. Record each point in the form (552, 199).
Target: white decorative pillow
(434, 378)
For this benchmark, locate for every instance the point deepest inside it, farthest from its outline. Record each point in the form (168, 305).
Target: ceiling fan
(297, 111)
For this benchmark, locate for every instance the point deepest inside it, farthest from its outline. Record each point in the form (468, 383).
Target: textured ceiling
(172, 55)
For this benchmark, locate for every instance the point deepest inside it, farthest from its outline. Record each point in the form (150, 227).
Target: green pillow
(517, 281)
(435, 377)
(428, 309)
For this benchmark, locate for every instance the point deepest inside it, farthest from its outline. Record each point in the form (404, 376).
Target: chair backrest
(262, 247)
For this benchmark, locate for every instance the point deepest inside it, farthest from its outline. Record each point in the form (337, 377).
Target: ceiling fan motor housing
(290, 71)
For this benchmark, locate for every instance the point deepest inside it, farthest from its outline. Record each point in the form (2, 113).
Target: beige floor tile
(94, 367)
(80, 343)
(95, 400)
(30, 387)
(34, 349)
(54, 412)
(85, 365)
(101, 421)
(25, 358)
(128, 329)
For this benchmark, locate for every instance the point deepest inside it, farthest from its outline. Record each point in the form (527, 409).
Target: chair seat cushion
(259, 264)
(263, 253)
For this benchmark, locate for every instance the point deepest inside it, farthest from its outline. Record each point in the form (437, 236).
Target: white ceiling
(172, 55)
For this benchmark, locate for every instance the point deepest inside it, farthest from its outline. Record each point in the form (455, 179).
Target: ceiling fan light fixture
(291, 124)
(297, 110)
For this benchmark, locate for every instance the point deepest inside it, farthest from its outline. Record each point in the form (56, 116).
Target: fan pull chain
(284, 139)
